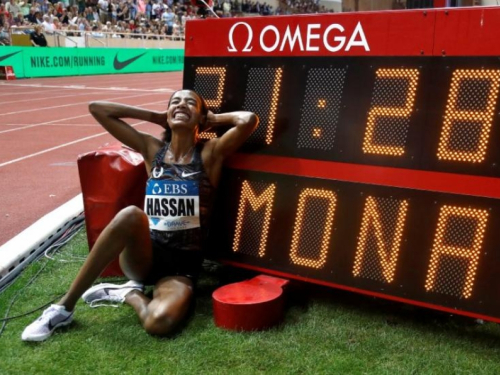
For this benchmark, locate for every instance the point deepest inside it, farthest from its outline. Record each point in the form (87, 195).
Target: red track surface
(45, 125)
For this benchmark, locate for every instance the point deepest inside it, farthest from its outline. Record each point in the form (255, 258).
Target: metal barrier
(102, 39)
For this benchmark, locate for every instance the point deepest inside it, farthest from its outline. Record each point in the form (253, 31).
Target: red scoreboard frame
(376, 164)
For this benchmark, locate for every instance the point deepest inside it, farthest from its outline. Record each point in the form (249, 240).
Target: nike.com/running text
(66, 61)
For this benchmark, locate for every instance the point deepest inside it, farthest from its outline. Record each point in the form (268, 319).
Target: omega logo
(310, 40)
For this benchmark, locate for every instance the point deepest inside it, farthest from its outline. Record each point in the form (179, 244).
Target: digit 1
(209, 83)
(385, 222)
(311, 234)
(469, 115)
(262, 95)
(387, 125)
(256, 220)
(459, 236)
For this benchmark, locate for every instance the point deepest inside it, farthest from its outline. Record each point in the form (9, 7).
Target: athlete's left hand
(209, 122)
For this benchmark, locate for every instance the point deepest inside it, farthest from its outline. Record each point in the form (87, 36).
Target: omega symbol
(247, 48)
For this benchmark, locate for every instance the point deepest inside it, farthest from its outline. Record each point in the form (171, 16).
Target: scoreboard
(376, 164)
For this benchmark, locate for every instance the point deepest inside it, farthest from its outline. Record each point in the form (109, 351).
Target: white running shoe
(52, 318)
(110, 292)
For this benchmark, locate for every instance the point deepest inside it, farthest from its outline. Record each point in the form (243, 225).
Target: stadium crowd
(145, 18)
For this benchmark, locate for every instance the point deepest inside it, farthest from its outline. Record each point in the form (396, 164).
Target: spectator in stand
(149, 9)
(39, 19)
(72, 30)
(157, 10)
(131, 25)
(47, 24)
(168, 18)
(31, 15)
(237, 6)
(121, 11)
(82, 24)
(132, 6)
(65, 18)
(19, 20)
(37, 38)
(13, 7)
(59, 10)
(113, 11)
(102, 5)
(81, 6)
(95, 15)
(226, 9)
(96, 32)
(57, 24)
(44, 6)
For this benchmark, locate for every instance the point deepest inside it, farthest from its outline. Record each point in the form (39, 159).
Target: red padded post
(112, 178)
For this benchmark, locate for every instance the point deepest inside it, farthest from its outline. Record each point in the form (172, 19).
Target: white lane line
(53, 97)
(82, 87)
(70, 143)
(67, 118)
(58, 147)
(54, 122)
(70, 105)
(41, 123)
(29, 92)
(63, 124)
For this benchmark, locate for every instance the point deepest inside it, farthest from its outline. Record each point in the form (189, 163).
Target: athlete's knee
(164, 318)
(159, 323)
(130, 217)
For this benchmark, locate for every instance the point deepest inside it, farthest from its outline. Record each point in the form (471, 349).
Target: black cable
(30, 312)
(60, 241)
(14, 299)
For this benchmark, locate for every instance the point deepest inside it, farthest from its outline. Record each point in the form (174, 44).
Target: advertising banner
(57, 62)
(13, 56)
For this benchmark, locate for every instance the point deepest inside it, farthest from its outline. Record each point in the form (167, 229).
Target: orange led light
(470, 253)
(207, 135)
(265, 200)
(212, 103)
(483, 117)
(369, 147)
(387, 252)
(300, 226)
(321, 103)
(274, 105)
(316, 132)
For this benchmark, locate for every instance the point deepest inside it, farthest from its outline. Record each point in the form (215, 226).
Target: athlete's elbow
(98, 109)
(94, 107)
(251, 120)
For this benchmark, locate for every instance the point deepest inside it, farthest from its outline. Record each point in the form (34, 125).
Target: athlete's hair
(167, 134)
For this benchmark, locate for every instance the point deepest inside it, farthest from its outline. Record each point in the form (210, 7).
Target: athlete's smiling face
(185, 110)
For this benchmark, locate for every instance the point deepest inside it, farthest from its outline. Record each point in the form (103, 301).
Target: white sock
(62, 309)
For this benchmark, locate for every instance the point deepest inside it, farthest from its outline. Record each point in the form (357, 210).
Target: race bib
(172, 205)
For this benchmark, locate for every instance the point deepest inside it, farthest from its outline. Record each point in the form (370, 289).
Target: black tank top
(178, 200)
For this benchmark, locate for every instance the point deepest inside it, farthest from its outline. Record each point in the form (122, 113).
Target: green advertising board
(13, 56)
(56, 62)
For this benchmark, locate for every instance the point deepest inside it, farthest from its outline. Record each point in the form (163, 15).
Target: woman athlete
(161, 245)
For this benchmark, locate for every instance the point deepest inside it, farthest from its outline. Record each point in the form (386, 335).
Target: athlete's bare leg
(161, 315)
(126, 235)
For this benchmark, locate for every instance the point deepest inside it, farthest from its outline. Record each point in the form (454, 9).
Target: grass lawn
(325, 332)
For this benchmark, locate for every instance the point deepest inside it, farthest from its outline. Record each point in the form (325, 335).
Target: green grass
(325, 332)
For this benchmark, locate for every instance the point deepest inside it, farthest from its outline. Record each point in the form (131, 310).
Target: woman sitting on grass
(163, 245)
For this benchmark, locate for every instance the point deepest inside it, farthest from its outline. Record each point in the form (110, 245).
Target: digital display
(375, 166)
(420, 113)
(416, 245)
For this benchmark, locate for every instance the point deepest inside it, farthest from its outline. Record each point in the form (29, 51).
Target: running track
(45, 125)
